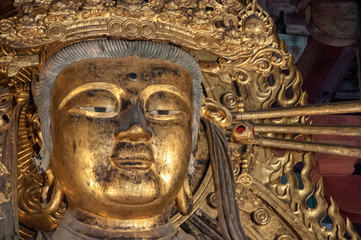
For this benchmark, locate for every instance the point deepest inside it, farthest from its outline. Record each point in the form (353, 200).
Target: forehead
(120, 72)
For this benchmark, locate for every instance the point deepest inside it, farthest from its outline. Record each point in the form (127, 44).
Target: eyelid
(164, 112)
(148, 91)
(116, 91)
(165, 115)
(91, 112)
(94, 109)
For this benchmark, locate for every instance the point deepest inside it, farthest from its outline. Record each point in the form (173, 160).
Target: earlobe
(52, 194)
(184, 200)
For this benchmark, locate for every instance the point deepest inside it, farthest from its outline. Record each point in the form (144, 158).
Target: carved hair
(103, 48)
(224, 185)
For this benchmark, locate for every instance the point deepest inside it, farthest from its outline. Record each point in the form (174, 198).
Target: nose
(132, 125)
(134, 134)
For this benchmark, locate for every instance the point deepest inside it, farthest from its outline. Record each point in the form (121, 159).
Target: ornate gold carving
(278, 166)
(7, 105)
(249, 203)
(244, 40)
(12, 64)
(261, 216)
(3, 170)
(30, 182)
(233, 102)
(237, 50)
(284, 237)
(216, 112)
(55, 31)
(4, 190)
(243, 134)
(211, 200)
(245, 179)
(230, 100)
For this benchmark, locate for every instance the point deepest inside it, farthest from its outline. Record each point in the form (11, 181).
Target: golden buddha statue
(126, 116)
(143, 104)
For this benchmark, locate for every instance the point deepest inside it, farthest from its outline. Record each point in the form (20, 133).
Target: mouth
(139, 156)
(140, 161)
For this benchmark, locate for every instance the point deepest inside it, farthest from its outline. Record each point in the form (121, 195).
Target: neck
(91, 226)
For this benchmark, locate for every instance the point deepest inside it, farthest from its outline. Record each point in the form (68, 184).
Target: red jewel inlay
(240, 129)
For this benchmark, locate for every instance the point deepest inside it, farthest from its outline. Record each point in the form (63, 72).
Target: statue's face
(121, 132)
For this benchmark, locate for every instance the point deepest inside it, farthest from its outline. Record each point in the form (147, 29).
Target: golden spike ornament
(321, 109)
(343, 130)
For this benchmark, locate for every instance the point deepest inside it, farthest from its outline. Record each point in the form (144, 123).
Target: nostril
(5, 118)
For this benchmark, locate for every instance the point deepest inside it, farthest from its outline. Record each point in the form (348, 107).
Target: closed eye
(165, 114)
(97, 109)
(94, 112)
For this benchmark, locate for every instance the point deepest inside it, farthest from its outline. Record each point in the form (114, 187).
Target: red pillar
(336, 171)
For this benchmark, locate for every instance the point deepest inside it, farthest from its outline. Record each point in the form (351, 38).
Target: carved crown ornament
(231, 30)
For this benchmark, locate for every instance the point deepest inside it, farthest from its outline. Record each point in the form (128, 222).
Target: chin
(133, 187)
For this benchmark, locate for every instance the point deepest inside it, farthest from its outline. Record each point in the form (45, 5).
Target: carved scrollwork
(230, 100)
(284, 237)
(211, 200)
(245, 179)
(6, 25)
(238, 36)
(261, 216)
(216, 112)
(254, 19)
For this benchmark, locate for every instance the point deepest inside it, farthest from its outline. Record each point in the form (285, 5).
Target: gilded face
(121, 131)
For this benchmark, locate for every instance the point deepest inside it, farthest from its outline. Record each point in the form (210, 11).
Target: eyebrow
(146, 92)
(115, 90)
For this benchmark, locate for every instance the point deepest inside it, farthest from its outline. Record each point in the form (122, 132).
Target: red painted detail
(240, 129)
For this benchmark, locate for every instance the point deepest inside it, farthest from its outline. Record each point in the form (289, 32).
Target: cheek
(172, 149)
(80, 142)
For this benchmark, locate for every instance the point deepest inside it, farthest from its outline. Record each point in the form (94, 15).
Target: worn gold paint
(236, 56)
(120, 138)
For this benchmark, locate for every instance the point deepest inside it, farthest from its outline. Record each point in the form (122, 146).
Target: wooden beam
(335, 76)
(295, 23)
(335, 22)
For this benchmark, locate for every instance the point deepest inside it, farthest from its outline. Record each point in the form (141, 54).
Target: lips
(129, 155)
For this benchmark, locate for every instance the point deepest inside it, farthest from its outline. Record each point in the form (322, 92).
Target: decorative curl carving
(261, 216)
(210, 26)
(216, 112)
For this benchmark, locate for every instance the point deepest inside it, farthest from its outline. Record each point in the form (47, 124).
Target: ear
(184, 200)
(52, 194)
(216, 113)
(41, 152)
(33, 127)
